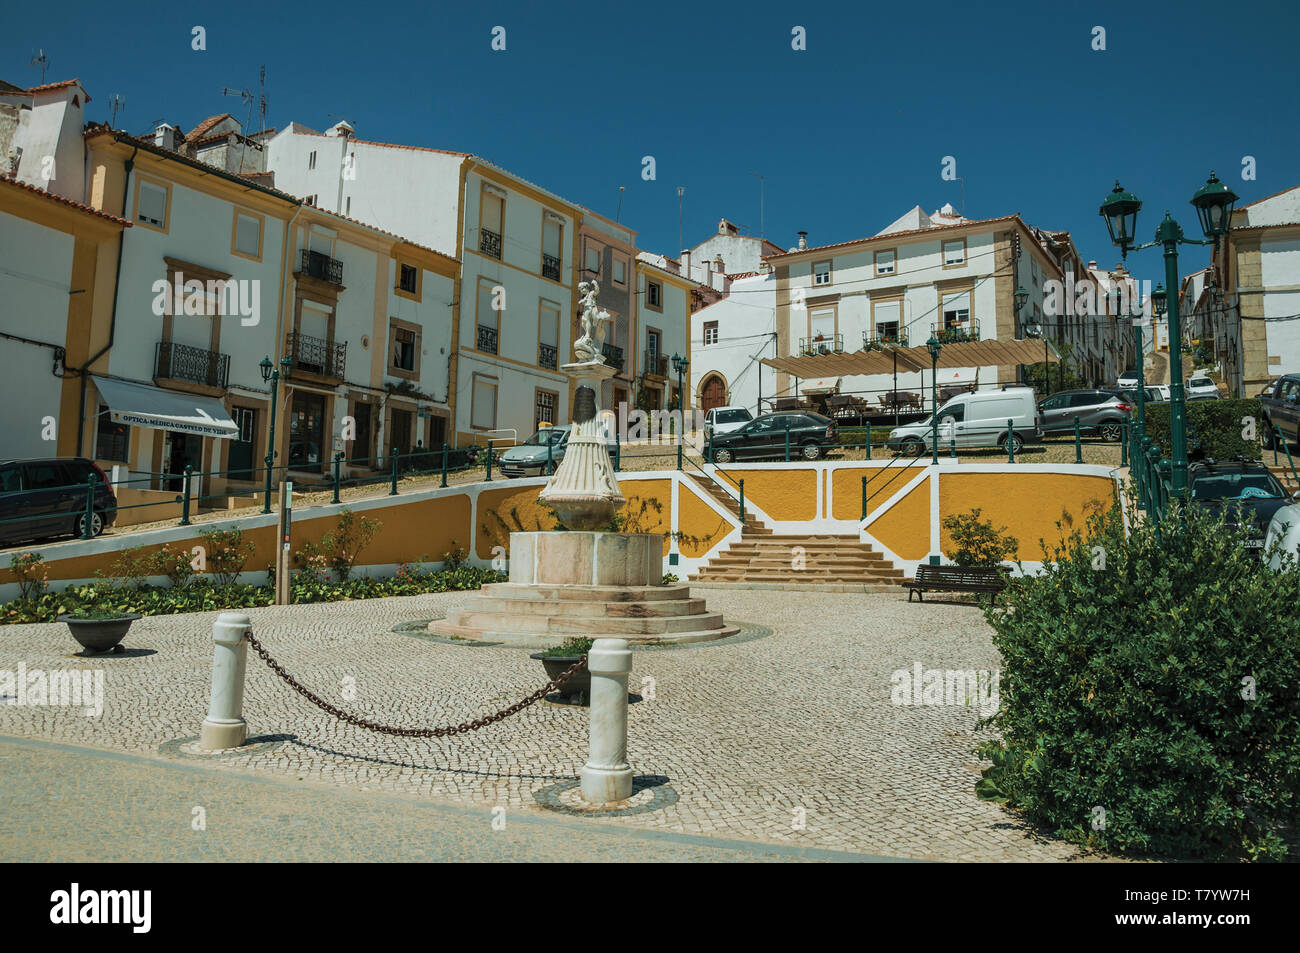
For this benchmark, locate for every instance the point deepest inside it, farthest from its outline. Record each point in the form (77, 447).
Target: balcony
(821, 344)
(613, 356)
(956, 333)
(316, 355)
(884, 339)
(655, 364)
(316, 265)
(489, 243)
(546, 356)
(550, 267)
(180, 362)
(487, 339)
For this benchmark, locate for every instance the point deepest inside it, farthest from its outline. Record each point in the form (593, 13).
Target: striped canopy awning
(989, 353)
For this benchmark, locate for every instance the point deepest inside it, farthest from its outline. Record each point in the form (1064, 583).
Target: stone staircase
(752, 525)
(824, 561)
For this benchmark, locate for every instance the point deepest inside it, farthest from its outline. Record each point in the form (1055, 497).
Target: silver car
(530, 457)
(1099, 411)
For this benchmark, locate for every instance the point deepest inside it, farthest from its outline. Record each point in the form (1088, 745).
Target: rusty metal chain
(415, 732)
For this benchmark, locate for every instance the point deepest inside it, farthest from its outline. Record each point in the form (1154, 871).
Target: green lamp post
(680, 364)
(934, 347)
(271, 375)
(1213, 203)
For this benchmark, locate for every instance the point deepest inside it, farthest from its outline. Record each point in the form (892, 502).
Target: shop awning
(820, 385)
(143, 405)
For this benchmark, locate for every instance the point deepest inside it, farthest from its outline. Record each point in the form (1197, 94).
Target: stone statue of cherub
(589, 348)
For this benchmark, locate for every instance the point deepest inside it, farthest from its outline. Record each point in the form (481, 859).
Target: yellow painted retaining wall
(781, 494)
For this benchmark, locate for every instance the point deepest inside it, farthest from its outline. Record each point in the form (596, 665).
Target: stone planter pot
(556, 665)
(100, 635)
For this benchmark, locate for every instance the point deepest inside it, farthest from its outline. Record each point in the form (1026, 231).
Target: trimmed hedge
(204, 596)
(1214, 428)
(1150, 692)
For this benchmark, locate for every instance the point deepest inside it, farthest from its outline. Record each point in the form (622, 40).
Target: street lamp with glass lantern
(934, 347)
(271, 375)
(1213, 203)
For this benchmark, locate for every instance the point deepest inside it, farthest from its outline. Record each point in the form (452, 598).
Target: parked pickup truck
(1281, 405)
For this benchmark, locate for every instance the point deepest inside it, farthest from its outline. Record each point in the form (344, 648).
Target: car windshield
(1236, 486)
(732, 416)
(551, 435)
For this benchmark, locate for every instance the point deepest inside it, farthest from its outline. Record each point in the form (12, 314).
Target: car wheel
(1111, 431)
(1016, 442)
(722, 456)
(96, 525)
(912, 447)
(1269, 437)
(811, 451)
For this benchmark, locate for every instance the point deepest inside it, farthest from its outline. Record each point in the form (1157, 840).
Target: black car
(47, 497)
(1243, 486)
(764, 438)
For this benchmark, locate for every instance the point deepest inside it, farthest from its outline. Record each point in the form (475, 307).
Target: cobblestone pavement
(788, 739)
(59, 799)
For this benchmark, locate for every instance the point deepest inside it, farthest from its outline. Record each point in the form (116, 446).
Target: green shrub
(1214, 428)
(1126, 688)
(571, 647)
(226, 553)
(977, 542)
(31, 572)
(176, 565)
(340, 547)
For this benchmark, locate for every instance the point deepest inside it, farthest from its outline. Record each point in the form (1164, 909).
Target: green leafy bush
(571, 647)
(1150, 691)
(1214, 428)
(203, 596)
(977, 542)
(226, 553)
(340, 547)
(31, 572)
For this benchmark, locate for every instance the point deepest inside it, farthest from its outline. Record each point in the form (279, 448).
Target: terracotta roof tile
(9, 180)
(50, 86)
(203, 127)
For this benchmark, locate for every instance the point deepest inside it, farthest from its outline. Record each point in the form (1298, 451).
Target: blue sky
(849, 134)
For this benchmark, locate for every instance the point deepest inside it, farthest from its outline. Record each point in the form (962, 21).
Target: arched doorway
(713, 392)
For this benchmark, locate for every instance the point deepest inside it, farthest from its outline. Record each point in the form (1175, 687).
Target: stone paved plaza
(729, 740)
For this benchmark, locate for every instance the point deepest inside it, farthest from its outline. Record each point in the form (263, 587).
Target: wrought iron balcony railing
(316, 355)
(550, 267)
(613, 356)
(546, 355)
(655, 363)
(489, 242)
(321, 266)
(181, 362)
(821, 344)
(956, 333)
(487, 339)
(883, 339)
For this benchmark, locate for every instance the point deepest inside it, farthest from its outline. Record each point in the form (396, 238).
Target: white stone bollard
(225, 726)
(607, 776)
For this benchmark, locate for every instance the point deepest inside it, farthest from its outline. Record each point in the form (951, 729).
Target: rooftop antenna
(117, 102)
(761, 231)
(620, 203)
(44, 62)
(245, 97)
(680, 192)
(261, 125)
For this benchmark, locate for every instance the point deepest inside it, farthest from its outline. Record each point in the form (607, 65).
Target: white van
(975, 420)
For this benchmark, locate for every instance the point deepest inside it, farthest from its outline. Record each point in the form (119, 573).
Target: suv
(1200, 386)
(1247, 484)
(1099, 411)
(47, 497)
(810, 436)
(1281, 403)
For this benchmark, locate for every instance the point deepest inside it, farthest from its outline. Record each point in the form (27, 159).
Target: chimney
(764, 267)
(341, 128)
(803, 241)
(708, 273)
(685, 259)
(1092, 265)
(165, 136)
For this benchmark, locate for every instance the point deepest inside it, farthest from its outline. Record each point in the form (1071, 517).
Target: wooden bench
(954, 579)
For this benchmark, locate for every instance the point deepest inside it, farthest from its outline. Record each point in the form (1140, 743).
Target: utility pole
(680, 192)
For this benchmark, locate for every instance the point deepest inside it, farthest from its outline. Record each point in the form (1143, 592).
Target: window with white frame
(710, 332)
(885, 261)
(620, 271)
(654, 295)
(886, 317)
(821, 272)
(954, 252)
(593, 259)
(956, 310)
